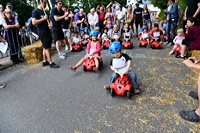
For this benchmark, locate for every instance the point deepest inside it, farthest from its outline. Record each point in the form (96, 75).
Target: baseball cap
(9, 4)
(137, 3)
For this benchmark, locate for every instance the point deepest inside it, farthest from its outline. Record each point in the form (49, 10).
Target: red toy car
(76, 47)
(155, 44)
(177, 51)
(106, 44)
(143, 43)
(85, 42)
(121, 86)
(90, 63)
(127, 44)
(165, 38)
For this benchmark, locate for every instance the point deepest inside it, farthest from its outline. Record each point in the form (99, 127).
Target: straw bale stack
(196, 53)
(33, 52)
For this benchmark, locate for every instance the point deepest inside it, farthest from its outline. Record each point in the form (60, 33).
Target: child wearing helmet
(127, 32)
(86, 35)
(145, 35)
(121, 63)
(99, 33)
(93, 50)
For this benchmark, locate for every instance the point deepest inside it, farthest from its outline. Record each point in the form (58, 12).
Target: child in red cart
(156, 34)
(109, 24)
(178, 40)
(93, 50)
(127, 33)
(86, 35)
(145, 35)
(105, 36)
(76, 39)
(121, 63)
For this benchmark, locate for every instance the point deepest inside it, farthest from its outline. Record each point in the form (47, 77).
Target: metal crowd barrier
(17, 39)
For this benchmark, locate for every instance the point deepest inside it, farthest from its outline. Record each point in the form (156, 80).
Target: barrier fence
(17, 39)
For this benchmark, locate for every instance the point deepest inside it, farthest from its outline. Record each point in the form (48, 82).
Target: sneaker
(179, 56)
(2, 85)
(61, 56)
(96, 69)
(170, 44)
(70, 48)
(106, 87)
(171, 52)
(165, 42)
(45, 63)
(53, 65)
(193, 94)
(136, 91)
(72, 68)
(66, 48)
(63, 53)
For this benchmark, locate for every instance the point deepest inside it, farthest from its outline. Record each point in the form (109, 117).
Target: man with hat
(9, 6)
(57, 16)
(138, 17)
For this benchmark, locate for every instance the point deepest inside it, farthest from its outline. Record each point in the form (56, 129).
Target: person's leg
(173, 28)
(133, 78)
(198, 109)
(81, 62)
(47, 55)
(168, 29)
(136, 28)
(96, 60)
(44, 55)
(58, 46)
(113, 78)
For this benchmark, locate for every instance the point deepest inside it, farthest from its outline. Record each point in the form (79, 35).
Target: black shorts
(187, 42)
(57, 34)
(46, 39)
(138, 22)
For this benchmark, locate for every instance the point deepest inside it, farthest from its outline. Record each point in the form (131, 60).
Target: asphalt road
(44, 100)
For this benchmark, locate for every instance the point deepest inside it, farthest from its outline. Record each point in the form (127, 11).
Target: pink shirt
(96, 47)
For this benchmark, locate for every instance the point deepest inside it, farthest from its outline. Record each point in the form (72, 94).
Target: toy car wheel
(128, 94)
(152, 47)
(129, 47)
(112, 92)
(159, 47)
(84, 69)
(176, 54)
(104, 47)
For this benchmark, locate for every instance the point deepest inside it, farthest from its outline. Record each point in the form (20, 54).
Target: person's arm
(197, 11)
(98, 46)
(114, 69)
(58, 18)
(174, 9)
(88, 48)
(130, 36)
(184, 17)
(2, 40)
(96, 19)
(129, 62)
(190, 64)
(174, 41)
(189, 34)
(117, 3)
(109, 5)
(16, 25)
(97, 8)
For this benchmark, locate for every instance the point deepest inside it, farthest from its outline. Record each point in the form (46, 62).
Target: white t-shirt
(76, 39)
(120, 14)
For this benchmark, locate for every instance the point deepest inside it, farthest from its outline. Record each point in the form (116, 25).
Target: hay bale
(33, 52)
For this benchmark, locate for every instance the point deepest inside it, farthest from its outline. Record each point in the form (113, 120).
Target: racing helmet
(114, 47)
(93, 33)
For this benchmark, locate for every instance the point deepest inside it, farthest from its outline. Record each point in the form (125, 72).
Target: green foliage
(22, 8)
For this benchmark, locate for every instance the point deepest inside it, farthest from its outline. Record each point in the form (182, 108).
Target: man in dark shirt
(39, 18)
(57, 16)
(138, 17)
(192, 10)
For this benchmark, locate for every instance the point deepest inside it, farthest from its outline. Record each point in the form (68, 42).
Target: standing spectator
(92, 19)
(138, 17)
(130, 17)
(11, 35)
(39, 18)
(1, 11)
(120, 18)
(9, 6)
(80, 23)
(101, 13)
(192, 10)
(57, 16)
(172, 18)
(146, 16)
(31, 30)
(66, 25)
(109, 12)
(114, 6)
(2, 85)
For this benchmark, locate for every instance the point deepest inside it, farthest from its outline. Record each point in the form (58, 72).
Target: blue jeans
(171, 27)
(131, 76)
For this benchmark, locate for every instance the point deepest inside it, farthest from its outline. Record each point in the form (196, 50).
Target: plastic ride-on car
(121, 86)
(165, 38)
(76, 47)
(155, 44)
(127, 44)
(85, 42)
(106, 44)
(177, 51)
(90, 63)
(143, 43)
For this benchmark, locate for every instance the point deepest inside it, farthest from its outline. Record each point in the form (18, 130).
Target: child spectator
(99, 33)
(105, 35)
(156, 33)
(86, 35)
(127, 33)
(145, 35)
(178, 40)
(121, 63)
(115, 33)
(76, 39)
(93, 50)
(109, 24)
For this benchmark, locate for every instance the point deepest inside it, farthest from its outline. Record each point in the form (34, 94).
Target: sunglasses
(60, 3)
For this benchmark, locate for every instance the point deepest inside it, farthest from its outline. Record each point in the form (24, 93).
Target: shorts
(46, 39)
(138, 22)
(58, 34)
(67, 32)
(187, 42)
(148, 21)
